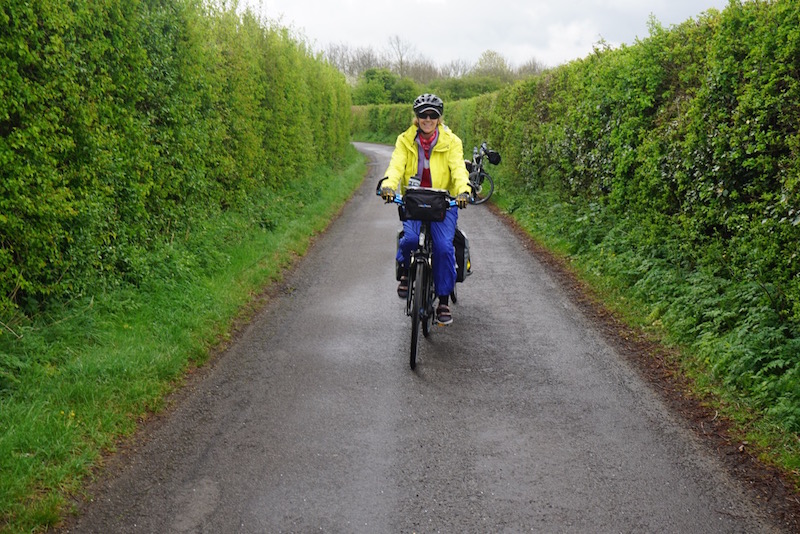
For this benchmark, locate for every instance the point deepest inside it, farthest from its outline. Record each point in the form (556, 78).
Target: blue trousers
(444, 253)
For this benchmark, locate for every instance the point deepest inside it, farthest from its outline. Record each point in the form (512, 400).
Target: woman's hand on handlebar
(387, 194)
(391, 197)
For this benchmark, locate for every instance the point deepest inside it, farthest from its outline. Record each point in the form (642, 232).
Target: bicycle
(480, 181)
(425, 205)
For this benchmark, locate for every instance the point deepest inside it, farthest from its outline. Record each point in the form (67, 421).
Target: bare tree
(402, 61)
(422, 70)
(457, 68)
(339, 56)
(400, 51)
(352, 62)
(364, 58)
(532, 67)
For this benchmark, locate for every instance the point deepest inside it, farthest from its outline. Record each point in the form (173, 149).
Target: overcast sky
(551, 31)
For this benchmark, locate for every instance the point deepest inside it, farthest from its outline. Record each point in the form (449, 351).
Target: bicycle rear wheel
(482, 190)
(417, 302)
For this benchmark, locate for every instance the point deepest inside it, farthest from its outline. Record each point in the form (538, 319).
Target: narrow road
(519, 417)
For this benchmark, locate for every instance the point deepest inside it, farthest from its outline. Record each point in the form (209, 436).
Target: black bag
(423, 204)
(463, 263)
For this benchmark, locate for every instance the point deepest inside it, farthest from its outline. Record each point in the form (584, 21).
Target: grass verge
(89, 371)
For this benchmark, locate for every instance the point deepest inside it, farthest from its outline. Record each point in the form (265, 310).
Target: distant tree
(338, 55)
(423, 71)
(365, 58)
(353, 62)
(370, 92)
(465, 87)
(455, 69)
(400, 51)
(376, 78)
(405, 90)
(374, 87)
(382, 86)
(492, 64)
(341, 56)
(532, 67)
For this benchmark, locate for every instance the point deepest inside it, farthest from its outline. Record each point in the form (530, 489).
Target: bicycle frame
(480, 181)
(421, 264)
(421, 292)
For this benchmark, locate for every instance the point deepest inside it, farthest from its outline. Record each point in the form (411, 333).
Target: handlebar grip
(378, 188)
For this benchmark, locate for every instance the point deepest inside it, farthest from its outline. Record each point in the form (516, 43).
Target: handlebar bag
(423, 204)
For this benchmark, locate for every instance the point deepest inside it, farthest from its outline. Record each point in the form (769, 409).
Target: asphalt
(519, 417)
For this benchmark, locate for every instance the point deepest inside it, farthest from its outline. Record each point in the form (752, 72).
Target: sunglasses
(428, 115)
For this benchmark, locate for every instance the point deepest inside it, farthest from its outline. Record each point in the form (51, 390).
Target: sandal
(443, 315)
(402, 289)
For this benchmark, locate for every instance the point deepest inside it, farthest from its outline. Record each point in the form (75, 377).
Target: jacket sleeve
(458, 171)
(397, 165)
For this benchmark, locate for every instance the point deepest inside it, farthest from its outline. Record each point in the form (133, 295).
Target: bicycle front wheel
(482, 190)
(427, 311)
(418, 301)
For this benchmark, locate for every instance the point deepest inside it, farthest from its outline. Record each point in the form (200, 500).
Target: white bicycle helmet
(428, 102)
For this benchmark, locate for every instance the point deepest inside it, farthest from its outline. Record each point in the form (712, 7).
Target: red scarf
(426, 145)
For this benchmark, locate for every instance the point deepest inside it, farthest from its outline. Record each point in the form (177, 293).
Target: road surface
(518, 418)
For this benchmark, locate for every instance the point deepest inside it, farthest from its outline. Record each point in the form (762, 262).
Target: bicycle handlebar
(483, 150)
(398, 198)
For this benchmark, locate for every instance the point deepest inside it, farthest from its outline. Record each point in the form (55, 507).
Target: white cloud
(447, 30)
(569, 41)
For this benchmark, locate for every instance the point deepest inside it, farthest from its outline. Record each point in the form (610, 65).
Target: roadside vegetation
(666, 173)
(162, 162)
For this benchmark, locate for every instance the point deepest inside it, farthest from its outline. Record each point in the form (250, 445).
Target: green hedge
(673, 167)
(380, 123)
(124, 124)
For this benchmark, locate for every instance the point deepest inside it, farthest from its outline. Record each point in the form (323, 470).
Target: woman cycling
(429, 154)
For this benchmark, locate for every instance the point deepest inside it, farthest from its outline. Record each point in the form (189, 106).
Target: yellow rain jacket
(447, 162)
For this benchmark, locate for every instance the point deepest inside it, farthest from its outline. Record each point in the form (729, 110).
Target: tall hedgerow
(125, 123)
(682, 150)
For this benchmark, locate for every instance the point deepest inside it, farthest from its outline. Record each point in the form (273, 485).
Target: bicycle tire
(418, 301)
(427, 307)
(410, 296)
(483, 191)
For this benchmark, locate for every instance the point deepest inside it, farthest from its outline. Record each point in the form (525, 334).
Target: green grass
(717, 328)
(89, 371)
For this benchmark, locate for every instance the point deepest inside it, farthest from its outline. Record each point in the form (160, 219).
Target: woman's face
(428, 122)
